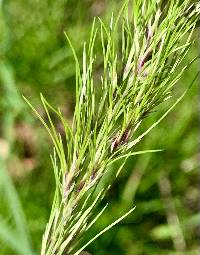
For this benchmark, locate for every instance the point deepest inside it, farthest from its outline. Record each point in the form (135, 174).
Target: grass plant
(142, 48)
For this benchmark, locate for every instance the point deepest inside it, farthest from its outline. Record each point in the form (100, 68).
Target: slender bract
(142, 48)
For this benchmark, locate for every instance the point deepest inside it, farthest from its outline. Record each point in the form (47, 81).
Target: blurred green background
(35, 57)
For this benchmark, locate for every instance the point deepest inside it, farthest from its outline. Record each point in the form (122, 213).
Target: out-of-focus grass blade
(11, 238)
(15, 207)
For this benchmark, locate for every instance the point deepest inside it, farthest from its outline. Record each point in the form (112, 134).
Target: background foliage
(35, 57)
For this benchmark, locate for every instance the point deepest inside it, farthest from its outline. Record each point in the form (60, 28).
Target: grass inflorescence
(141, 49)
